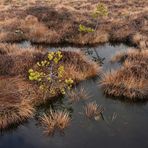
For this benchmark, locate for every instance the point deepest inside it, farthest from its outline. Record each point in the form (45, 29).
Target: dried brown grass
(57, 22)
(78, 66)
(55, 120)
(15, 114)
(131, 80)
(140, 40)
(16, 61)
(14, 65)
(76, 95)
(93, 110)
(15, 88)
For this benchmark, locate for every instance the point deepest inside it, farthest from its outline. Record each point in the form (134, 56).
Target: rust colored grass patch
(131, 80)
(15, 101)
(55, 120)
(58, 21)
(79, 67)
(16, 61)
(19, 96)
(92, 110)
(76, 95)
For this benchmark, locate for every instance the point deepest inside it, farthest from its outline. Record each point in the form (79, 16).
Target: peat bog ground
(64, 87)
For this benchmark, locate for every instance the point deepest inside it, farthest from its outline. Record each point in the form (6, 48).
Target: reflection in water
(124, 124)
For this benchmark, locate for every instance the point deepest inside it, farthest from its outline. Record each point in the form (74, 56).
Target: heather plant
(49, 75)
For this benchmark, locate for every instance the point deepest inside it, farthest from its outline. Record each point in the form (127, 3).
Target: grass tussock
(80, 68)
(92, 110)
(16, 61)
(76, 95)
(131, 80)
(55, 120)
(11, 114)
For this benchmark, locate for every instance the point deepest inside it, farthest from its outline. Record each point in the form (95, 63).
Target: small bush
(49, 74)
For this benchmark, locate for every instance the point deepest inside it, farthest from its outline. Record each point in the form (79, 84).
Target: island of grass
(129, 82)
(19, 95)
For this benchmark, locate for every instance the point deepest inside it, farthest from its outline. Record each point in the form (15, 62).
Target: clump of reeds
(76, 95)
(93, 110)
(14, 49)
(55, 120)
(48, 123)
(80, 66)
(17, 100)
(129, 87)
(131, 55)
(30, 28)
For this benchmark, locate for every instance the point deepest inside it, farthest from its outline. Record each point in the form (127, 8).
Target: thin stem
(96, 25)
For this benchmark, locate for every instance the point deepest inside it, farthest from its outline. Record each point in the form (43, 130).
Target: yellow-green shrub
(100, 12)
(48, 74)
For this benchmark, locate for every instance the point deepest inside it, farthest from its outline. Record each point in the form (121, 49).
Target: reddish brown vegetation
(55, 120)
(17, 95)
(15, 101)
(93, 110)
(48, 22)
(76, 95)
(57, 22)
(15, 61)
(131, 80)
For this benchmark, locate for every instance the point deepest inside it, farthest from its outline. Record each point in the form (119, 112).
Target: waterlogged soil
(122, 125)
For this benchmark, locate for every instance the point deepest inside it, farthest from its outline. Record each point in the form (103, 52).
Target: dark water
(128, 129)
